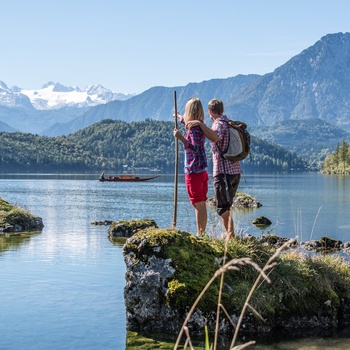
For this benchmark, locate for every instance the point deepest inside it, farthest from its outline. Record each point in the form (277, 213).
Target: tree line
(110, 144)
(339, 161)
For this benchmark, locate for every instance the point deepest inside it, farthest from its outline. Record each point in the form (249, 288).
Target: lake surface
(62, 288)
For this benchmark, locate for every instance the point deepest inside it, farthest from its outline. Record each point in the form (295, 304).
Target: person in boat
(226, 173)
(196, 174)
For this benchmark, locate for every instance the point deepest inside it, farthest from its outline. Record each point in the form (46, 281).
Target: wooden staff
(176, 166)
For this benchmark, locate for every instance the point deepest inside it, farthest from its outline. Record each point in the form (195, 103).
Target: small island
(14, 219)
(167, 269)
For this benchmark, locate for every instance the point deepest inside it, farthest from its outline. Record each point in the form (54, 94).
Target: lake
(62, 288)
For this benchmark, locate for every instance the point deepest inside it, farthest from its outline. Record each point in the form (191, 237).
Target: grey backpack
(239, 145)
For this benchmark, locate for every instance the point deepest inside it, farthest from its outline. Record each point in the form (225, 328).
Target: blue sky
(130, 46)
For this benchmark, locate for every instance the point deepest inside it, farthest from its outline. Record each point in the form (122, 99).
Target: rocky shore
(167, 269)
(14, 220)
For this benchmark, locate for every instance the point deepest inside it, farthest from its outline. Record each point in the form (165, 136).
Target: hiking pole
(176, 165)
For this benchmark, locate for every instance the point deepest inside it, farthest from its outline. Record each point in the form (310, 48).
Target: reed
(232, 265)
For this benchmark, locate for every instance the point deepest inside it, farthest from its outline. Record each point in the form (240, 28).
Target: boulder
(124, 228)
(102, 223)
(261, 221)
(324, 244)
(167, 269)
(245, 201)
(15, 219)
(240, 201)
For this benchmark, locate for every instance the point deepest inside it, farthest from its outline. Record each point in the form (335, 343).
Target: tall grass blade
(313, 226)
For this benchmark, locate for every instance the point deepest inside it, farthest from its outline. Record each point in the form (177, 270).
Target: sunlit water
(63, 288)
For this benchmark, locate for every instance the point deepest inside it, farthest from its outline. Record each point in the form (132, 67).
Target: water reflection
(15, 241)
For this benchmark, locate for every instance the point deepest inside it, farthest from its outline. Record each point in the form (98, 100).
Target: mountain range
(55, 96)
(34, 110)
(313, 86)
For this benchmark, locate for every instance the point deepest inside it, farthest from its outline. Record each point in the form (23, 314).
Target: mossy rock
(167, 270)
(240, 201)
(323, 244)
(261, 221)
(123, 228)
(4, 205)
(16, 219)
(245, 201)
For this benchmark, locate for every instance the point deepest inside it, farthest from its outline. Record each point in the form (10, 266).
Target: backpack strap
(223, 164)
(222, 152)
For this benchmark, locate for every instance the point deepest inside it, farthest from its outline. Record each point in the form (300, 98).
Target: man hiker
(226, 173)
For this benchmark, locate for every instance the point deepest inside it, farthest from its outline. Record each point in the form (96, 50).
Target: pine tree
(344, 154)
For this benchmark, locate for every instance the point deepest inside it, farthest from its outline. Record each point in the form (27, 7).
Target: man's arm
(209, 133)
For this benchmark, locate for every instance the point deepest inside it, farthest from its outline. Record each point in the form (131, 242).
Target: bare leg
(201, 217)
(228, 224)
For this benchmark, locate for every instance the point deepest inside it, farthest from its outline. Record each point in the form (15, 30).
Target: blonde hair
(216, 106)
(194, 110)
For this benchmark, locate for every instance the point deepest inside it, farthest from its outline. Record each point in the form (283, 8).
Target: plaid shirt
(195, 157)
(220, 165)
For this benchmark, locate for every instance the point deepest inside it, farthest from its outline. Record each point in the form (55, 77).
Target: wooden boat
(126, 178)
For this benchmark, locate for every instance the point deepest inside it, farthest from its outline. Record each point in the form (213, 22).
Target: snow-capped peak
(55, 95)
(4, 87)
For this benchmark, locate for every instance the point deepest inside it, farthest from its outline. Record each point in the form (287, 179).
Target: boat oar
(176, 166)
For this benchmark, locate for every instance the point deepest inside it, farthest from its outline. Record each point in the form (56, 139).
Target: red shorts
(197, 186)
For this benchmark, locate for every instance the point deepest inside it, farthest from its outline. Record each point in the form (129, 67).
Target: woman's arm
(209, 133)
(179, 136)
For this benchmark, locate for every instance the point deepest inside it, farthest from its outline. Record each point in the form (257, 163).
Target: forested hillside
(138, 144)
(311, 139)
(28, 152)
(339, 161)
(110, 144)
